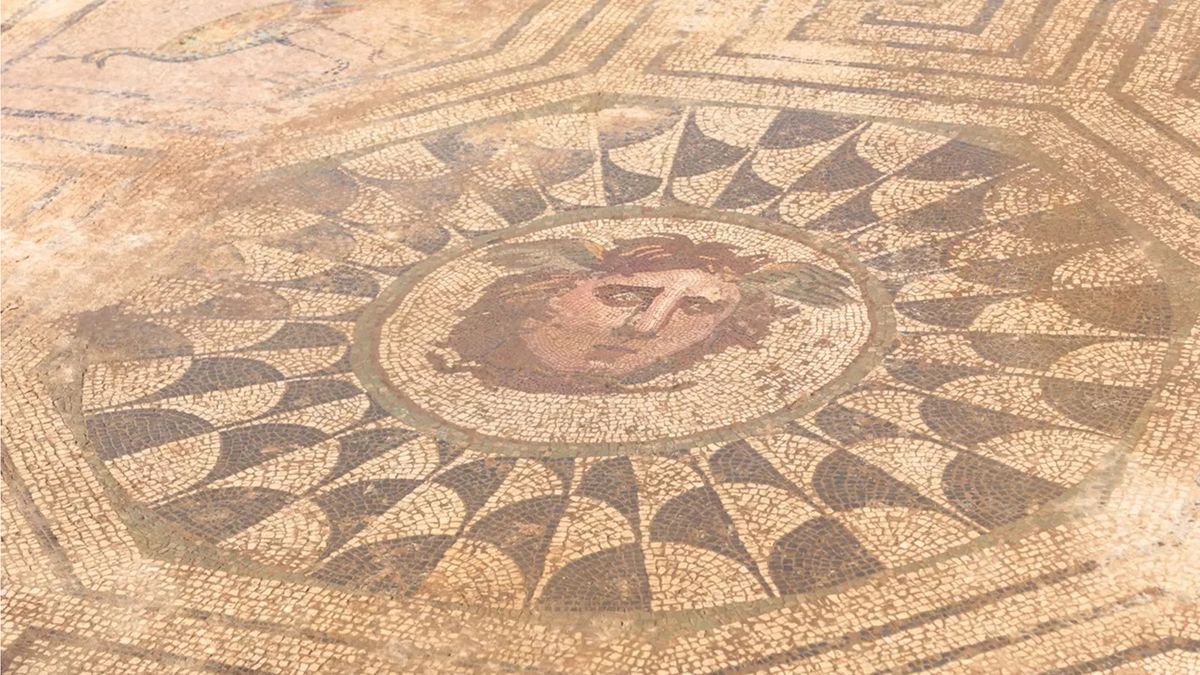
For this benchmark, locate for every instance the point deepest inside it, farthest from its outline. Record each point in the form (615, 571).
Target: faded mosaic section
(1026, 333)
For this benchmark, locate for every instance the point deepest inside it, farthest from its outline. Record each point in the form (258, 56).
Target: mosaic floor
(601, 336)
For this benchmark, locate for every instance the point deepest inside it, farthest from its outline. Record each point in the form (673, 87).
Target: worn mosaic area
(602, 337)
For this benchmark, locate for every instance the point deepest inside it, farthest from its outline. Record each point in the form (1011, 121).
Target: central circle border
(365, 360)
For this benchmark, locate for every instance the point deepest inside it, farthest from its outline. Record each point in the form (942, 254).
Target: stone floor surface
(363, 336)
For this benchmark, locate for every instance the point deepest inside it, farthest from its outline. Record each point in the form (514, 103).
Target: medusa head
(576, 317)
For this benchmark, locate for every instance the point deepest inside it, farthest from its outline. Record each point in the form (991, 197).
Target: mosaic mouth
(621, 330)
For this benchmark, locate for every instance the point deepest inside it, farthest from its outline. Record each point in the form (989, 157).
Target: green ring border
(364, 351)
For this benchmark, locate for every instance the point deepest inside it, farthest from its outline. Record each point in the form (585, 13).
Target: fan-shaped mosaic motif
(936, 340)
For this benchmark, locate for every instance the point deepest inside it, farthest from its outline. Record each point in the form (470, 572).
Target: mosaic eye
(701, 306)
(626, 296)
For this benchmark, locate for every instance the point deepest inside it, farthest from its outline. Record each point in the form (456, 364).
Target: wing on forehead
(804, 282)
(551, 254)
(678, 251)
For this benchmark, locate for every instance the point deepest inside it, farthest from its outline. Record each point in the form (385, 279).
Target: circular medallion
(622, 331)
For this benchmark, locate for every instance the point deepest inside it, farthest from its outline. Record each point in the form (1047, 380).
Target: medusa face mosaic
(599, 319)
(651, 321)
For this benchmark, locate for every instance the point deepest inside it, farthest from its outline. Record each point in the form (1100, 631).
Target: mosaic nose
(648, 322)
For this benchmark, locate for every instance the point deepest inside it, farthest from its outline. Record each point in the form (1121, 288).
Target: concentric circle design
(698, 367)
(937, 339)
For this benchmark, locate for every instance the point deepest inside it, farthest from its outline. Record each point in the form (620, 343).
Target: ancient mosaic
(602, 337)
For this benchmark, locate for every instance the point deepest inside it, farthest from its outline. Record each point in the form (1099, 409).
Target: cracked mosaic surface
(620, 337)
